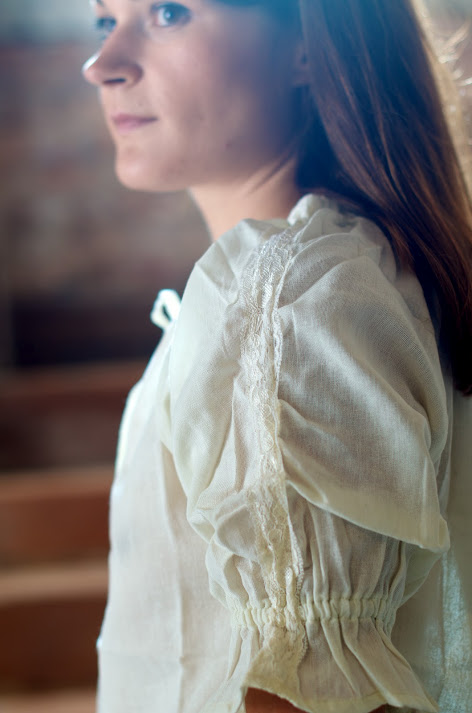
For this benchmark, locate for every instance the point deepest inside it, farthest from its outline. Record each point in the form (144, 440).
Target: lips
(126, 123)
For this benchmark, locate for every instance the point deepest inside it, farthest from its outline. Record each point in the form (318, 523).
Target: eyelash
(104, 26)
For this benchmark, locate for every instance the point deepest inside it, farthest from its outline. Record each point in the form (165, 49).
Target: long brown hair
(373, 130)
(378, 135)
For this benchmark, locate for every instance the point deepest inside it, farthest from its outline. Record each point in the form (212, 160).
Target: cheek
(209, 75)
(253, 61)
(217, 82)
(178, 90)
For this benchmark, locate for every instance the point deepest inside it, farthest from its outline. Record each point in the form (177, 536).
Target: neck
(269, 194)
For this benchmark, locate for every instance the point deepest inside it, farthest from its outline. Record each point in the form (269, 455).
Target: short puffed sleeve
(310, 432)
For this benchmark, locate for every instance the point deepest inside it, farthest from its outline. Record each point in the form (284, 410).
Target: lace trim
(278, 552)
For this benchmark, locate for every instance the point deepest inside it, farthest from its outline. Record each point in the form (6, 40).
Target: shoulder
(321, 248)
(317, 235)
(321, 258)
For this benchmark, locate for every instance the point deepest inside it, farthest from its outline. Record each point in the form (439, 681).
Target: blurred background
(81, 261)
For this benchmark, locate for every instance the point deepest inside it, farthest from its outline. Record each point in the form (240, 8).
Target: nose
(110, 65)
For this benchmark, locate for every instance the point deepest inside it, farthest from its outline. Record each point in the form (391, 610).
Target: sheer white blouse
(282, 485)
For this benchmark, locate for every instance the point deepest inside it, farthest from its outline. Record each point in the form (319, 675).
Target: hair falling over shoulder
(377, 134)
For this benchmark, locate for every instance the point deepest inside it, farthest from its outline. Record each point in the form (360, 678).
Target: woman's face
(193, 94)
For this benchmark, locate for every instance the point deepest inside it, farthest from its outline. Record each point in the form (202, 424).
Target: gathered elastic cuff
(329, 657)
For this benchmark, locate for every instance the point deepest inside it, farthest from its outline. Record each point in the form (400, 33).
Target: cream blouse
(281, 487)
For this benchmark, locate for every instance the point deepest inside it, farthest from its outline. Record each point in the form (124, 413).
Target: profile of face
(194, 94)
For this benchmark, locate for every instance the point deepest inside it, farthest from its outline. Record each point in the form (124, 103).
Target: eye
(168, 14)
(104, 26)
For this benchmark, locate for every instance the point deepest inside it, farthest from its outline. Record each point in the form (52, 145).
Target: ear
(301, 73)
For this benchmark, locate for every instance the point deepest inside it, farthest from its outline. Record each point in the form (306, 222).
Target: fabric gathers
(278, 515)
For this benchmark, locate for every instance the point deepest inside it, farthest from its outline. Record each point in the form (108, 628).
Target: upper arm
(308, 416)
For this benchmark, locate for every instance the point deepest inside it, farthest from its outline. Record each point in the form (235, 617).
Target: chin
(134, 176)
(141, 171)
(142, 181)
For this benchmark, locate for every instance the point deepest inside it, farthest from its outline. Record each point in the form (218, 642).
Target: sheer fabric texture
(282, 483)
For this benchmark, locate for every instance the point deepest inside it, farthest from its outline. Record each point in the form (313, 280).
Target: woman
(284, 463)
